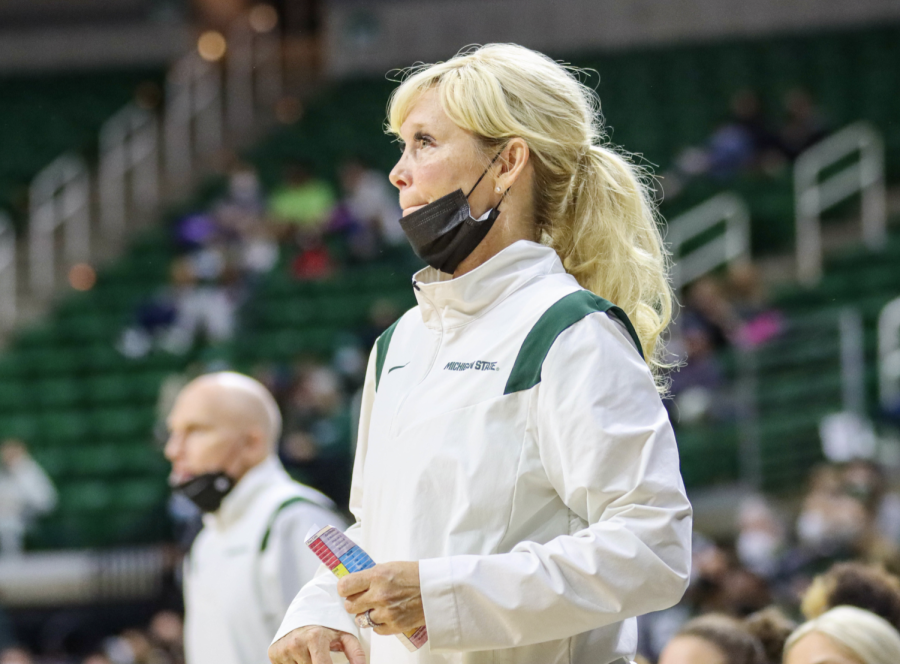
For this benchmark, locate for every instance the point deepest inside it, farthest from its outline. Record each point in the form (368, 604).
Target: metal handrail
(59, 196)
(847, 323)
(733, 245)
(193, 114)
(7, 271)
(812, 197)
(889, 355)
(128, 149)
(130, 159)
(253, 73)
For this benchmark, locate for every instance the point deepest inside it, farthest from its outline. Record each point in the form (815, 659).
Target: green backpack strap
(526, 371)
(290, 501)
(381, 349)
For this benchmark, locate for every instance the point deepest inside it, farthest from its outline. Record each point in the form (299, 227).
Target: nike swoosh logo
(397, 367)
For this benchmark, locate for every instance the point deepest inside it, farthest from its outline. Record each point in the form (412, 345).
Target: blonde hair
(871, 639)
(591, 203)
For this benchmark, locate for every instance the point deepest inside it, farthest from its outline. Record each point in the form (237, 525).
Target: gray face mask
(443, 233)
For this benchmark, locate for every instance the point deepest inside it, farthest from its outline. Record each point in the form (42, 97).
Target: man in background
(25, 492)
(250, 558)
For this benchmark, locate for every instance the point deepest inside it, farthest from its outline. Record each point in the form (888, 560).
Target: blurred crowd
(225, 250)
(839, 546)
(749, 141)
(159, 642)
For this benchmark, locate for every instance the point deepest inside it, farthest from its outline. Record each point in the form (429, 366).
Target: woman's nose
(399, 175)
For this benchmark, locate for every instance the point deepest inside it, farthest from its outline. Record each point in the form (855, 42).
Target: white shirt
(544, 519)
(25, 490)
(235, 591)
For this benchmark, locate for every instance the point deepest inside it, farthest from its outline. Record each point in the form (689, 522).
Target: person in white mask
(250, 558)
(516, 476)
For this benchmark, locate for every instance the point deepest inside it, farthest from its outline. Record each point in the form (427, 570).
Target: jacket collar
(446, 302)
(266, 473)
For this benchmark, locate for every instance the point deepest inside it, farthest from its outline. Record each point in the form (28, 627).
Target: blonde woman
(844, 635)
(516, 475)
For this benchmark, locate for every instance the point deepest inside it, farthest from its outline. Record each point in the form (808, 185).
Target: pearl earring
(497, 189)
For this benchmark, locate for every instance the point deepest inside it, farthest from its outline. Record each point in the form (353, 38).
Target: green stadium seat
(62, 427)
(123, 423)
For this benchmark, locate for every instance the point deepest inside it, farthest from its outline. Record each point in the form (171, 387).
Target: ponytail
(607, 237)
(591, 204)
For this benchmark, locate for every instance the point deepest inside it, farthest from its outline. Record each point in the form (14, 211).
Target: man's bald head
(222, 421)
(243, 400)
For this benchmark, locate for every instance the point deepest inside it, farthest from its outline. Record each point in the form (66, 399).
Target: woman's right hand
(314, 644)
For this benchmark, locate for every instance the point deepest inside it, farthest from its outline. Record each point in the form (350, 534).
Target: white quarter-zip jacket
(513, 442)
(247, 563)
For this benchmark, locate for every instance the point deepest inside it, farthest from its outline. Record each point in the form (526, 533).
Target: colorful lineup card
(343, 556)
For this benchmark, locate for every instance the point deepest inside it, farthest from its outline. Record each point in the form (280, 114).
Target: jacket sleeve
(295, 563)
(608, 450)
(318, 603)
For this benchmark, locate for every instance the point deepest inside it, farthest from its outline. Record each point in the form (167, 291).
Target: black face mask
(206, 491)
(443, 233)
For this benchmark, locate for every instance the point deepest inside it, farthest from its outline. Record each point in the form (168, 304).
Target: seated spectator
(166, 632)
(721, 639)
(312, 262)
(844, 635)
(831, 523)
(202, 303)
(16, 655)
(303, 202)
(761, 539)
(371, 213)
(25, 492)
(865, 480)
(696, 385)
(804, 126)
(742, 143)
(758, 322)
(317, 431)
(867, 587)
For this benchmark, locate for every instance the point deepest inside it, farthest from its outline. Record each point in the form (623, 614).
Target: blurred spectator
(25, 492)
(831, 523)
(721, 639)
(844, 635)
(317, 431)
(804, 126)
(369, 213)
(203, 304)
(761, 539)
(696, 387)
(197, 304)
(707, 306)
(742, 143)
(865, 480)
(167, 634)
(303, 202)
(868, 587)
(313, 261)
(16, 655)
(758, 322)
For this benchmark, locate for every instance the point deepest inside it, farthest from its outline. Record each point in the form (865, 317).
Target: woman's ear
(512, 163)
